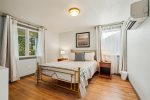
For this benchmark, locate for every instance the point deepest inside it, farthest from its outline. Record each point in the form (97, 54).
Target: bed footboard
(74, 76)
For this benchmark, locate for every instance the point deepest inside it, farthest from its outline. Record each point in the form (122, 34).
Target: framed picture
(83, 40)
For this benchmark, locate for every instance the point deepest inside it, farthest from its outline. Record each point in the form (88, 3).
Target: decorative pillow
(79, 56)
(89, 56)
(72, 56)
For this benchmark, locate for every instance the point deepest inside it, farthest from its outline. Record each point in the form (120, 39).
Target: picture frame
(83, 40)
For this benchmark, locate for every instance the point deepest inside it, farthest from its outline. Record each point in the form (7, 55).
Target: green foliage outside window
(23, 44)
(21, 41)
(33, 42)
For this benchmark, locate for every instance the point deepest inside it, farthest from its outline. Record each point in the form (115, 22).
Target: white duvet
(88, 68)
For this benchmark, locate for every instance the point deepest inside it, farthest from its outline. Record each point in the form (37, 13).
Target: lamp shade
(62, 52)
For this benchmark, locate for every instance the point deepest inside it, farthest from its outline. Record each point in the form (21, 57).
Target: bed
(76, 73)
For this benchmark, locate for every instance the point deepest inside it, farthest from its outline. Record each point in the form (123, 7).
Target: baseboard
(27, 76)
(135, 90)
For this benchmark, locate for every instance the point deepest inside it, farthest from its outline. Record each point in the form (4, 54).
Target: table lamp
(62, 52)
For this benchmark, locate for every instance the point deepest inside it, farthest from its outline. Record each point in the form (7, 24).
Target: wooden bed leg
(75, 81)
(79, 95)
(37, 73)
(79, 82)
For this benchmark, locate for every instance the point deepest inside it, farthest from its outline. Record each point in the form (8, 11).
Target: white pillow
(72, 56)
(89, 56)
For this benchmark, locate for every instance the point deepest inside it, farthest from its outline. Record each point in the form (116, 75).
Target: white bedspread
(88, 68)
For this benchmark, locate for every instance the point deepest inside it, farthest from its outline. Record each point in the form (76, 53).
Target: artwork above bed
(83, 40)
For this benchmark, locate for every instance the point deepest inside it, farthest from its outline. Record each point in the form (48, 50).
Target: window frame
(27, 40)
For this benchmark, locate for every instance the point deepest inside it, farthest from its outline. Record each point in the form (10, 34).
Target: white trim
(27, 42)
(27, 25)
(115, 23)
(27, 56)
(33, 30)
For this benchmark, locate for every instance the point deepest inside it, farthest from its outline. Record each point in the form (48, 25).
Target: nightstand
(105, 70)
(62, 59)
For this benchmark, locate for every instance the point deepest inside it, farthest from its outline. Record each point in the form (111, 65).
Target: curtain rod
(22, 21)
(111, 24)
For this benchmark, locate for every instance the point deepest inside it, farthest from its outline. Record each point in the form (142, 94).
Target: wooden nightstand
(62, 59)
(105, 70)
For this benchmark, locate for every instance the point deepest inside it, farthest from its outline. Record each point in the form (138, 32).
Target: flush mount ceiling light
(74, 11)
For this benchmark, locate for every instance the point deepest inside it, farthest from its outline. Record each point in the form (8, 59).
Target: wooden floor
(98, 89)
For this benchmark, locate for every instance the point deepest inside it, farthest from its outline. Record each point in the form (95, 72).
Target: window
(21, 41)
(110, 45)
(27, 42)
(110, 42)
(33, 39)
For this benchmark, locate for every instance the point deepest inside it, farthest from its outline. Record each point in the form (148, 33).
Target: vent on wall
(138, 14)
(131, 24)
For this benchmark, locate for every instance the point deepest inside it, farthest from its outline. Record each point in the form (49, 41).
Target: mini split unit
(139, 11)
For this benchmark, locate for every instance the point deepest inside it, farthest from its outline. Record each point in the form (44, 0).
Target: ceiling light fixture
(74, 11)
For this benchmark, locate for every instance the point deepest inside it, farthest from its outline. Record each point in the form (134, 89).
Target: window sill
(27, 57)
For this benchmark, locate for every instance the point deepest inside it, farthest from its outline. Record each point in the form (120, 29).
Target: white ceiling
(53, 13)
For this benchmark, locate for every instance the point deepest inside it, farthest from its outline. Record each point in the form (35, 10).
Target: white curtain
(1, 29)
(98, 43)
(9, 52)
(110, 45)
(41, 54)
(123, 51)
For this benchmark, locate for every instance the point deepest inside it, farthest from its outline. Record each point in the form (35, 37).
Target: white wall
(27, 67)
(68, 40)
(139, 59)
(52, 46)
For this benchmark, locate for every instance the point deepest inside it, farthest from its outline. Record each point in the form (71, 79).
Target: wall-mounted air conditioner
(139, 11)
